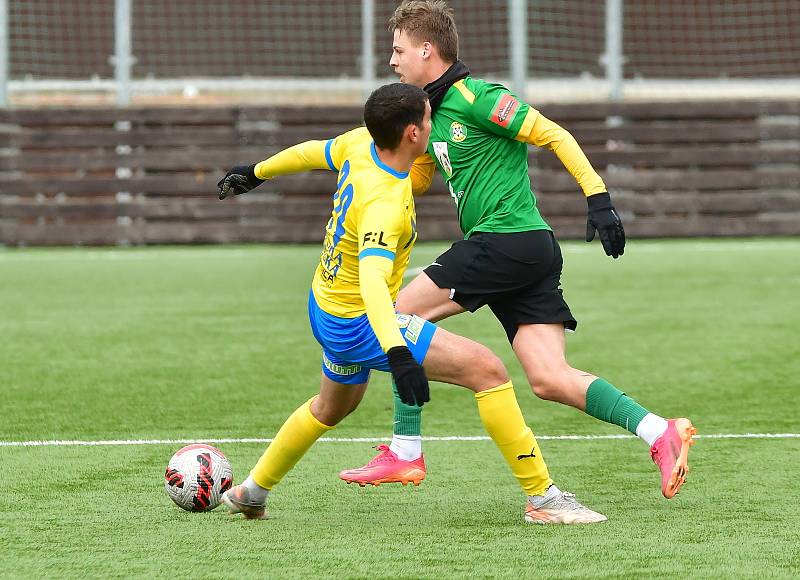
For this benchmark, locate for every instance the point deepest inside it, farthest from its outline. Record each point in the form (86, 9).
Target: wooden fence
(148, 175)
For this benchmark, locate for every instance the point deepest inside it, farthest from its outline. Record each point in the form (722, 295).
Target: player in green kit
(509, 258)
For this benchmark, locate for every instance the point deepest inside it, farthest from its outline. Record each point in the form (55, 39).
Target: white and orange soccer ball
(197, 476)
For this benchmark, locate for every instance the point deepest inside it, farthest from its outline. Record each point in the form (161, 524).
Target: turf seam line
(79, 443)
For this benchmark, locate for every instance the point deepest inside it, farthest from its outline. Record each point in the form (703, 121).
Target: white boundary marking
(77, 443)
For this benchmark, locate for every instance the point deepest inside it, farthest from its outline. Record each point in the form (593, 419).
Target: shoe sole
(544, 521)
(235, 508)
(416, 480)
(685, 431)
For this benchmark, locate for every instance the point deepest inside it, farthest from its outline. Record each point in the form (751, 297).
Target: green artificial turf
(213, 342)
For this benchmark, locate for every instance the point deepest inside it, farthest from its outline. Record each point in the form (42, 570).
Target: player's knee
(491, 370)
(404, 306)
(331, 413)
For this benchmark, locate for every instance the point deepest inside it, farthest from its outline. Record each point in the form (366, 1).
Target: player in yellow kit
(367, 245)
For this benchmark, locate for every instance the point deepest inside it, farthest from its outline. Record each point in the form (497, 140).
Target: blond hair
(428, 21)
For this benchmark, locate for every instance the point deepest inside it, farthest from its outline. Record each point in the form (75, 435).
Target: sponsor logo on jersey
(456, 196)
(374, 238)
(458, 132)
(440, 150)
(504, 111)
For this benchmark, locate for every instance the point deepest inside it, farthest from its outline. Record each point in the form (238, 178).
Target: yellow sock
(502, 419)
(295, 437)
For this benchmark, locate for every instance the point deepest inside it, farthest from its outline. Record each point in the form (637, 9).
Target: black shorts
(517, 274)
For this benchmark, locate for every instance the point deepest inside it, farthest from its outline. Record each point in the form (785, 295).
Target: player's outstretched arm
(303, 157)
(601, 215)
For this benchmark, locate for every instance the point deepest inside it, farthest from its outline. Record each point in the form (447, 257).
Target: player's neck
(436, 70)
(400, 159)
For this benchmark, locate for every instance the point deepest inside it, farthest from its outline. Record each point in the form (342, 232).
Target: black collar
(437, 89)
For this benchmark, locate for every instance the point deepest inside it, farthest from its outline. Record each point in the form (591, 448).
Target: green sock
(606, 402)
(407, 418)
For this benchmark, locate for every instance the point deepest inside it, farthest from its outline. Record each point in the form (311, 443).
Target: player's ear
(412, 133)
(427, 49)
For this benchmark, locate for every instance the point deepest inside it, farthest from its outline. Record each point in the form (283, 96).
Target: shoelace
(242, 497)
(567, 500)
(384, 457)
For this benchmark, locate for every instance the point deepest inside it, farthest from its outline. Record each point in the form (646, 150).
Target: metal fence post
(518, 45)
(613, 59)
(367, 47)
(123, 60)
(3, 53)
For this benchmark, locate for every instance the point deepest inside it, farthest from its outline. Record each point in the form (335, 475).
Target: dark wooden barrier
(148, 175)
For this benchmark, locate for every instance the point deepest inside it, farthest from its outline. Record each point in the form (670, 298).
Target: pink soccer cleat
(670, 452)
(386, 467)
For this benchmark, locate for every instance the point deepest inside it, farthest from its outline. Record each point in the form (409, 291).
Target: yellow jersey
(371, 230)
(373, 215)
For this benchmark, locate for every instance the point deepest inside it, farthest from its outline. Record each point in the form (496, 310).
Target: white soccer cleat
(237, 500)
(562, 508)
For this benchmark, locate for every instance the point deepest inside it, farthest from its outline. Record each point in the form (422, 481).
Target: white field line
(76, 443)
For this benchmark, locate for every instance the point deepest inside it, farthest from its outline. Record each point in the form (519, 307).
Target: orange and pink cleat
(670, 452)
(386, 467)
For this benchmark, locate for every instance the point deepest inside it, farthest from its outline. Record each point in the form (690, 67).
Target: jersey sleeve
(309, 155)
(545, 133)
(336, 148)
(380, 226)
(302, 157)
(422, 174)
(499, 111)
(379, 230)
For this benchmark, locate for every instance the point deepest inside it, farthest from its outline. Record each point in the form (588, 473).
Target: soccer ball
(197, 476)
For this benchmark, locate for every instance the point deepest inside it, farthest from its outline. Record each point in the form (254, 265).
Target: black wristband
(252, 177)
(599, 201)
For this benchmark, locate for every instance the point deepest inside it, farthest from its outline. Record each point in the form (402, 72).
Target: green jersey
(485, 168)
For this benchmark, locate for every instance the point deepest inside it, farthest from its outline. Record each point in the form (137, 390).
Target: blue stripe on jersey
(345, 197)
(376, 252)
(382, 165)
(328, 157)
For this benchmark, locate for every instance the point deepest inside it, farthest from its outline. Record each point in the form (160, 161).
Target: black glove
(409, 376)
(238, 180)
(603, 218)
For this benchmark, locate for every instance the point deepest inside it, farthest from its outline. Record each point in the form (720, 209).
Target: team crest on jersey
(458, 132)
(440, 150)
